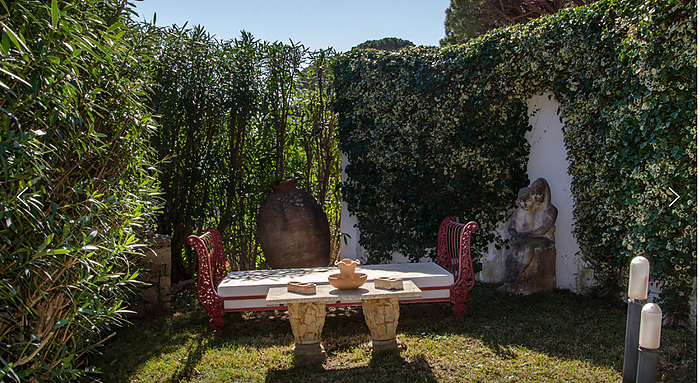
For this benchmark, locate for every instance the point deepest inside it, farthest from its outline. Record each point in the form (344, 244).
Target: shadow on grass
(558, 324)
(194, 356)
(384, 367)
(147, 340)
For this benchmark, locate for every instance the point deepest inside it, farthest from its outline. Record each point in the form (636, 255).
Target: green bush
(235, 116)
(624, 73)
(420, 148)
(76, 183)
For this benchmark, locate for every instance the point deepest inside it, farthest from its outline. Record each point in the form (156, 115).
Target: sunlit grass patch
(547, 337)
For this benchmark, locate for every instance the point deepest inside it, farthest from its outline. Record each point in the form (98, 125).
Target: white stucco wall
(547, 160)
(349, 243)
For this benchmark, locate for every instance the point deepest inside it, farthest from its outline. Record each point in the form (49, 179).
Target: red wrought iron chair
(212, 269)
(454, 255)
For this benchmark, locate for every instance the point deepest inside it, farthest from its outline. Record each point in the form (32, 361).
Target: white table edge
(323, 294)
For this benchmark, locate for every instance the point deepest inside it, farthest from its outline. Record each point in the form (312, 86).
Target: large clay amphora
(293, 229)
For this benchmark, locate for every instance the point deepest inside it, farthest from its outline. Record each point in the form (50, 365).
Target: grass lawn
(546, 337)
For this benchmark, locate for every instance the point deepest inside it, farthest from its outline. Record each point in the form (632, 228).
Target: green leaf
(17, 40)
(61, 323)
(9, 368)
(54, 14)
(114, 26)
(14, 76)
(58, 251)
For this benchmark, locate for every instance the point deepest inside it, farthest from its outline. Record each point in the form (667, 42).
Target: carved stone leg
(382, 317)
(307, 321)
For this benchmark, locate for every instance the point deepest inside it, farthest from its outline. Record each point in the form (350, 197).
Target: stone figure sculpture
(531, 265)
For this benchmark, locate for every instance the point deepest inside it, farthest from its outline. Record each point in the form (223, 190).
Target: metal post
(634, 315)
(637, 290)
(646, 368)
(649, 342)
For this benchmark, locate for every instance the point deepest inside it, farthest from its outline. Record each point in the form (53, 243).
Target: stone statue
(531, 266)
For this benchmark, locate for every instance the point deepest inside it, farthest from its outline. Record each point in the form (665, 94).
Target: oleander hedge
(77, 183)
(431, 132)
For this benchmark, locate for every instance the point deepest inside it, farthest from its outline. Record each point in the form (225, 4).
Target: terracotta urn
(293, 229)
(347, 267)
(347, 279)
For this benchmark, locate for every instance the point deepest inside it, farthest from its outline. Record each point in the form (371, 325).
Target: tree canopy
(386, 44)
(467, 19)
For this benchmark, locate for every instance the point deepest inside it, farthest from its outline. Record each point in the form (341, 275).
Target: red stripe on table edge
(336, 304)
(265, 296)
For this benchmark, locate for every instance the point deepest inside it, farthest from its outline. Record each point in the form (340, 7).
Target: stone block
(164, 290)
(156, 308)
(159, 241)
(301, 287)
(540, 275)
(149, 275)
(138, 310)
(149, 295)
(388, 283)
(379, 346)
(162, 256)
(307, 355)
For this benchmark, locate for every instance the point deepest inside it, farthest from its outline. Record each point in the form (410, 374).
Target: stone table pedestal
(382, 318)
(307, 321)
(307, 314)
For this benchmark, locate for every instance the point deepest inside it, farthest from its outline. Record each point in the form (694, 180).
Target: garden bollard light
(649, 342)
(636, 297)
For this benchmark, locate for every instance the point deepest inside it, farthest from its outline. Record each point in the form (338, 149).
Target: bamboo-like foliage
(316, 135)
(233, 119)
(76, 183)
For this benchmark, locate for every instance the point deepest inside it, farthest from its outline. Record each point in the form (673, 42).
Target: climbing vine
(419, 151)
(432, 132)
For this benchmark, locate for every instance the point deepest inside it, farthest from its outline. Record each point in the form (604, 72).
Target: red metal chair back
(454, 251)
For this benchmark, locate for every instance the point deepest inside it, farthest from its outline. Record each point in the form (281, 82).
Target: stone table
(307, 314)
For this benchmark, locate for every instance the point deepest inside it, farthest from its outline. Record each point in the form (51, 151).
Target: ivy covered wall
(433, 132)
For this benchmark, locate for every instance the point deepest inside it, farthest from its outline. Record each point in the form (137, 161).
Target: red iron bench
(448, 280)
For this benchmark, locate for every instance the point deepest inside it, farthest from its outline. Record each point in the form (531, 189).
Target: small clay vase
(347, 267)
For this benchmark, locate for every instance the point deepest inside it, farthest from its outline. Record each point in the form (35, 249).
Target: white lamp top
(650, 328)
(639, 279)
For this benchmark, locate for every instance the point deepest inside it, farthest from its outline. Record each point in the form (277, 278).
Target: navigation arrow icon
(677, 196)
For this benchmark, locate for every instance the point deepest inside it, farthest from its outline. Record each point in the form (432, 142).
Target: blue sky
(317, 24)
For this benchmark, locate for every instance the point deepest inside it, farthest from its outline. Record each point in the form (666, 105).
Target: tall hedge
(624, 73)
(235, 116)
(76, 182)
(421, 148)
